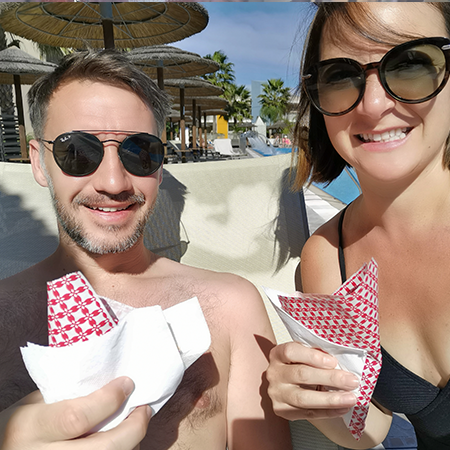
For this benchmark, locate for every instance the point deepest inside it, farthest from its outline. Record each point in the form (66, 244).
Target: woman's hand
(30, 424)
(304, 384)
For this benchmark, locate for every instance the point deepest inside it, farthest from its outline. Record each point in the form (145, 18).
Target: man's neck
(70, 258)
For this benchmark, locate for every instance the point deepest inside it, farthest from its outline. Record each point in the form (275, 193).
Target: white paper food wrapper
(150, 345)
(345, 325)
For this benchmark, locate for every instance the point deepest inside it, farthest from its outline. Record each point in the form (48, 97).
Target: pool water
(343, 187)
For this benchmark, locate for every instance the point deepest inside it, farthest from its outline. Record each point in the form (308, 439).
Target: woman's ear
(39, 172)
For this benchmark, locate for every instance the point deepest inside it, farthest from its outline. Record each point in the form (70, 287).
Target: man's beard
(110, 243)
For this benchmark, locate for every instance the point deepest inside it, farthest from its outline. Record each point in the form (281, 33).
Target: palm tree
(240, 103)
(50, 53)
(239, 99)
(274, 100)
(225, 75)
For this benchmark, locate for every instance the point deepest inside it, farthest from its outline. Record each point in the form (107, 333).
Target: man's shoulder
(216, 288)
(213, 279)
(30, 278)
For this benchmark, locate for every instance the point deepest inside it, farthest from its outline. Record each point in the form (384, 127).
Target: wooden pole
(194, 127)
(182, 126)
(160, 75)
(20, 117)
(107, 24)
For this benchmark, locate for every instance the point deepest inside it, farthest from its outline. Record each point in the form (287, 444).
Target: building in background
(256, 90)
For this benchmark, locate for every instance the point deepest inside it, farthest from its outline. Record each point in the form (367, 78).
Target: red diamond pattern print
(75, 312)
(348, 317)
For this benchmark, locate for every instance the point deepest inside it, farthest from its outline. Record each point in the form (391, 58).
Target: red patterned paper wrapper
(349, 317)
(75, 312)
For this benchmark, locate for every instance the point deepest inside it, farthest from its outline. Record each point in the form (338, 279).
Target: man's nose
(111, 176)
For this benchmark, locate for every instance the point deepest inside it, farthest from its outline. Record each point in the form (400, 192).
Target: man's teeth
(107, 209)
(387, 136)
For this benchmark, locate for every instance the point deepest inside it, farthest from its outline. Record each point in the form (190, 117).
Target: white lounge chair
(225, 149)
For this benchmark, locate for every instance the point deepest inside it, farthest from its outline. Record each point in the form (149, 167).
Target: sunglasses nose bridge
(367, 68)
(106, 141)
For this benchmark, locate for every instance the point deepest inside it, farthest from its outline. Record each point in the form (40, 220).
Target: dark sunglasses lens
(338, 86)
(415, 73)
(77, 154)
(142, 154)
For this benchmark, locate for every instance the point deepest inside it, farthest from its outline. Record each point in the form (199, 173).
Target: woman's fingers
(304, 384)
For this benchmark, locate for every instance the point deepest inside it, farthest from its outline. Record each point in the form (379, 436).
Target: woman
(391, 122)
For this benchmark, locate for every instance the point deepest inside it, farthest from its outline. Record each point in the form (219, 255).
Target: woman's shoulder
(324, 242)
(318, 269)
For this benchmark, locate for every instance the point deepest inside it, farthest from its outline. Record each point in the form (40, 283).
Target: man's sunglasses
(413, 72)
(79, 153)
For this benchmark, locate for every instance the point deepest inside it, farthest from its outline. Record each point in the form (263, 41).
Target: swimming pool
(343, 187)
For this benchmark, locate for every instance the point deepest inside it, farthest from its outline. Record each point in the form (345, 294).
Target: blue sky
(263, 40)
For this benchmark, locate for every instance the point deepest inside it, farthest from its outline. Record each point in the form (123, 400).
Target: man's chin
(99, 249)
(110, 243)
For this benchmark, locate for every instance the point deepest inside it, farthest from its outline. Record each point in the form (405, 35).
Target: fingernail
(127, 386)
(342, 411)
(148, 411)
(329, 361)
(352, 381)
(348, 399)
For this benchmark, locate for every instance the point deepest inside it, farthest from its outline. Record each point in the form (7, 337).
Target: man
(95, 120)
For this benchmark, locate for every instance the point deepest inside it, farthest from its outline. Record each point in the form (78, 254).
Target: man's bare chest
(196, 410)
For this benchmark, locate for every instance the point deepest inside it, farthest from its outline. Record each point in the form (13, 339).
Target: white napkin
(349, 359)
(150, 345)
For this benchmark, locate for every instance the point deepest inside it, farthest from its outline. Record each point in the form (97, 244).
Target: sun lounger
(225, 149)
(9, 138)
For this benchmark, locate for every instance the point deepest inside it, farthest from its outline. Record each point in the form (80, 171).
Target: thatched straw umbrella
(18, 67)
(103, 24)
(165, 61)
(160, 61)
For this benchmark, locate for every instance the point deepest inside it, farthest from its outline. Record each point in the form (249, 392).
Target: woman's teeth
(387, 136)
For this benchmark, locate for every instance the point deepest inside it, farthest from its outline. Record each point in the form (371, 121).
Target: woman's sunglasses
(413, 72)
(79, 153)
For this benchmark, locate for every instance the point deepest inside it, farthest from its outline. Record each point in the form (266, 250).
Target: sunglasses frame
(310, 77)
(130, 134)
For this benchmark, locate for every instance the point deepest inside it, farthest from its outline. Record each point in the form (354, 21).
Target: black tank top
(402, 391)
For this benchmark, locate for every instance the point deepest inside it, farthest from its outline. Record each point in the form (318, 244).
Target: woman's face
(420, 130)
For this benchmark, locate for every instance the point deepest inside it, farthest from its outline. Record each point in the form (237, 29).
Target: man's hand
(299, 379)
(30, 424)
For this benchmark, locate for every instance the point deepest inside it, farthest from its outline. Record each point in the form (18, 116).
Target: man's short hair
(105, 66)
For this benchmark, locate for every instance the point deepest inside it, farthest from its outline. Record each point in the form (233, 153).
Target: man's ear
(161, 174)
(38, 170)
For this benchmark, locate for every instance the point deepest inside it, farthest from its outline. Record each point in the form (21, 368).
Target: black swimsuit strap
(341, 246)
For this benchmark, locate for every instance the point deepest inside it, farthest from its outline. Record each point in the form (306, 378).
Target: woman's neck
(410, 203)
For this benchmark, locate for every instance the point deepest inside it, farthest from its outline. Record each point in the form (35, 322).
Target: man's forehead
(86, 104)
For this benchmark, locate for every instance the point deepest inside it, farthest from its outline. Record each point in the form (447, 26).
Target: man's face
(106, 211)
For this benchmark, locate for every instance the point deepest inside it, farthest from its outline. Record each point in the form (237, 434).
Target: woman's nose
(376, 101)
